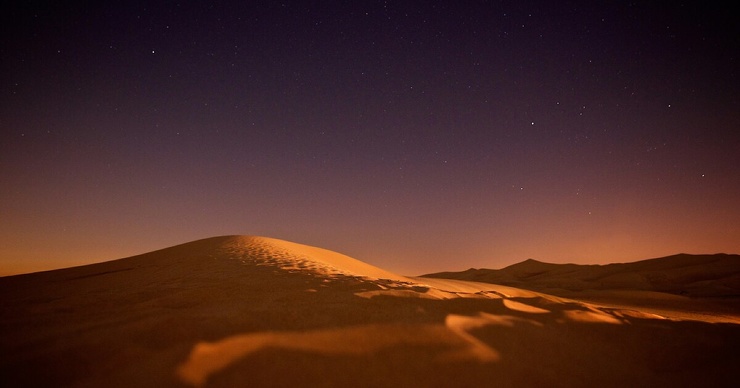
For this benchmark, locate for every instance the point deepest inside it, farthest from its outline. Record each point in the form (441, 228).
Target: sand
(684, 287)
(254, 311)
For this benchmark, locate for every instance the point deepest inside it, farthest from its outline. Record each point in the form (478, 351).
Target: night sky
(417, 136)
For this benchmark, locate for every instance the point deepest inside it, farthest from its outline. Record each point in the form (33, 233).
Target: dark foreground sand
(250, 311)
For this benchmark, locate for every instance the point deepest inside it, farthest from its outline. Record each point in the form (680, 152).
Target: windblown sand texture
(253, 311)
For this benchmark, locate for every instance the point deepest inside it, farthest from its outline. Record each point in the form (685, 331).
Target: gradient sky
(418, 136)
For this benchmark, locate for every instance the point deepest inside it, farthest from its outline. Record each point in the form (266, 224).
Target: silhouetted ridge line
(716, 275)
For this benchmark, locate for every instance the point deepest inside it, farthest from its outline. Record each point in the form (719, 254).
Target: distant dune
(690, 275)
(688, 283)
(255, 311)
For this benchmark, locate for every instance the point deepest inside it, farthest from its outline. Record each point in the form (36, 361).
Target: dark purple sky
(414, 135)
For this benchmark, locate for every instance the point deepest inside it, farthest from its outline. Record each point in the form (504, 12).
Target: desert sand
(696, 287)
(254, 311)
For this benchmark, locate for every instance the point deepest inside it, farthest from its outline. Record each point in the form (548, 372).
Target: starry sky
(418, 136)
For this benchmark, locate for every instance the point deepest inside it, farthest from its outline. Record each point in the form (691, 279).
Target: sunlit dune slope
(254, 311)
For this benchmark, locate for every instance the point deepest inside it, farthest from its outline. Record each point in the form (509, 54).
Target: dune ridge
(246, 310)
(292, 256)
(715, 275)
(682, 286)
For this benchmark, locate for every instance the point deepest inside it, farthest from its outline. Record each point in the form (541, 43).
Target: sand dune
(255, 311)
(689, 275)
(703, 287)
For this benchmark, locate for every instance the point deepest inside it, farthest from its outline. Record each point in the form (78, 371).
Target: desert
(256, 311)
(369, 194)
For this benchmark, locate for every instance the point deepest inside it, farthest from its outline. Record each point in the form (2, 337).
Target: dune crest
(292, 256)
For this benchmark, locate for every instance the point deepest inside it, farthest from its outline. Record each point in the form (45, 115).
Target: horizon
(12, 272)
(412, 135)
